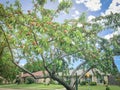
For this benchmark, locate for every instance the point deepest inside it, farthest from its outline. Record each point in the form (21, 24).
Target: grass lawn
(98, 87)
(32, 86)
(54, 87)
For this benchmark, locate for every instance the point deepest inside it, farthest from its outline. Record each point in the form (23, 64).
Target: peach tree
(35, 35)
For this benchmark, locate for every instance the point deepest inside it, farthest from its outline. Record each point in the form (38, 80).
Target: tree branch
(83, 74)
(78, 67)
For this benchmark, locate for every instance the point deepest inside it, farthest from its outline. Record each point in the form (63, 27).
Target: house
(42, 77)
(3, 80)
(90, 76)
(93, 75)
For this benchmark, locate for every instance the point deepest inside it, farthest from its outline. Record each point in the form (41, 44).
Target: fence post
(76, 84)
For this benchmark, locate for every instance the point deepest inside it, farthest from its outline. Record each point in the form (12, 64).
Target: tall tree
(7, 69)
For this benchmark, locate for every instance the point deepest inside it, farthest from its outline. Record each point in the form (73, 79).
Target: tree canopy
(34, 35)
(7, 69)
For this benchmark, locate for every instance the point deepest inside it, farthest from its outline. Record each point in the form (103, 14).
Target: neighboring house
(91, 76)
(3, 81)
(41, 77)
(101, 78)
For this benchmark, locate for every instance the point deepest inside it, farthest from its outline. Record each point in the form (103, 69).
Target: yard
(51, 87)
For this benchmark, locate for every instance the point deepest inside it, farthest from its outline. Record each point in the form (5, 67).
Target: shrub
(53, 82)
(83, 83)
(107, 88)
(29, 80)
(18, 80)
(1, 81)
(68, 81)
(93, 83)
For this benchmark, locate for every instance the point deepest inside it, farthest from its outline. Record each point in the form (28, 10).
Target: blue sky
(93, 8)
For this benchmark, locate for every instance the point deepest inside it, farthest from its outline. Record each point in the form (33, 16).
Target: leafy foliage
(29, 80)
(7, 69)
(36, 36)
(34, 66)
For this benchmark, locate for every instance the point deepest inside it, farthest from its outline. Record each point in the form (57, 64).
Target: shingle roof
(37, 74)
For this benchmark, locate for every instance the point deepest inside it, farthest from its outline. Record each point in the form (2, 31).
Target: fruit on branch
(34, 43)
(65, 31)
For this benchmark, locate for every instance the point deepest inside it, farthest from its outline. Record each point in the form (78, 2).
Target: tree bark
(56, 78)
(62, 82)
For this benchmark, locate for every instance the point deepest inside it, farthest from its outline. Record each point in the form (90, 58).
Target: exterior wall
(46, 81)
(106, 79)
(4, 81)
(99, 80)
(94, 79)
(40, 80)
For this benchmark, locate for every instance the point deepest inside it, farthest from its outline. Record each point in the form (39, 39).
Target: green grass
(98, 87)
(54, 87)
(32, 86)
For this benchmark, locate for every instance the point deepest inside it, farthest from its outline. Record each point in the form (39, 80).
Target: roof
(80, 71)
(1, 77)
(37, 74)
(45, 73)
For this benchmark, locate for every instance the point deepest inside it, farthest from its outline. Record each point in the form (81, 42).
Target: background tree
(7, 69)
(34, 66)
(36, 36)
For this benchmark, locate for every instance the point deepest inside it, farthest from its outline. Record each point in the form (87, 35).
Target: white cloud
(112, 34)
(64, 13)
(77, 17)
(64, 0)
(92, 5)
(80, 1)
(73, 8)
(79, 25)
(114, 8)
(60, 1)
(76, 14)
(90, 18)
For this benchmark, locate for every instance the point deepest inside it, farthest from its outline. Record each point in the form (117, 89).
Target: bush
(68, 81)
(18, 80)
(93, 83)
(1, 81)
(83, 83)
(53, 82)
(107, 88)
(29, 80)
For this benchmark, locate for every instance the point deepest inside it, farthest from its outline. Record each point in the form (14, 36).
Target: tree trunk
(56, 77)
(62, 82)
